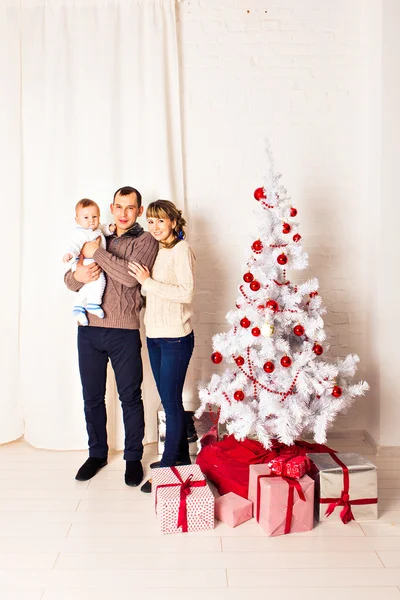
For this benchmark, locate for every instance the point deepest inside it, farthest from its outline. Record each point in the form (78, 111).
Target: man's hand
(86, 274)
(90, 248)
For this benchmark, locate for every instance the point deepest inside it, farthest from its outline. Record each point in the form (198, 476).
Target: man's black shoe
(146, 487)
(90, 468)
(133, 473)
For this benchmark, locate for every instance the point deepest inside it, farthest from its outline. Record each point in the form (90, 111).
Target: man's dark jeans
(169, 359)
(122, 346)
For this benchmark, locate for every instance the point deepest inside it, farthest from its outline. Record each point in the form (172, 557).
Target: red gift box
(290, 467)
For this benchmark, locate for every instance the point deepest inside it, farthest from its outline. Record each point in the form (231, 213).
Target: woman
(169, 333)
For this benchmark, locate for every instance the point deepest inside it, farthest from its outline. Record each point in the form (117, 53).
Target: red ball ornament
(245, 322)
(298, 330)
(248, 277)
(282, 259)
(257, 246)
(293, 211)
(255, 331)
(318, 349)
(238, 395)
(216, 357)
(239, 360)
(259, 194)
(296, 237)
(286, 228)
(269, 367)
(286, 361)
(272, 305)
(313, 294)
(337, 391)
(255, 285)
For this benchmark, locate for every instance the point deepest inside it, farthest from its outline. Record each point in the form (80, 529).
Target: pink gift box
(233, 509)
(278, 503)
(182, 499)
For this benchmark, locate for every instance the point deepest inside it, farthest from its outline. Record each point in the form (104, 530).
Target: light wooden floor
(61, 539)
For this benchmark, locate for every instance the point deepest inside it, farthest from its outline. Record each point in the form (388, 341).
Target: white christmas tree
(279, 386)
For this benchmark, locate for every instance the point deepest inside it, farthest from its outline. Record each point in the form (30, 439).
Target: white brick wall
(295, 71)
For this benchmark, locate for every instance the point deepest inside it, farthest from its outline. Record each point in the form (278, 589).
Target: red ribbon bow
(293, 484)
(346, 514)
(184, 492)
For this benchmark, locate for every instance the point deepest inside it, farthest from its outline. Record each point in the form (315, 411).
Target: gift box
(290, 467)
(233, 509)
(280, 504)
(182, 499)
(346, 487)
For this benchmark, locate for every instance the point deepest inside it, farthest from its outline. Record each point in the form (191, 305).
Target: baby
(89, 297)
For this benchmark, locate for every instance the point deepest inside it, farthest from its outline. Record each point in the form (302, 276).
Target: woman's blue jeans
(169, 359)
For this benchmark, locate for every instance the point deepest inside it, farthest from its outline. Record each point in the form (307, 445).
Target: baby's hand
(112, 228)
(67, 257)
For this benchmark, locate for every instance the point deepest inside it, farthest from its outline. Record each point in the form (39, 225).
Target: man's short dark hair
(126, 190)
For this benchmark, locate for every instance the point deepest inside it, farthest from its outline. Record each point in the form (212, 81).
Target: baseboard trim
(365, 436)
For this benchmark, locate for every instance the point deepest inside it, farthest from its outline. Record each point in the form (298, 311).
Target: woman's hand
(139, 272)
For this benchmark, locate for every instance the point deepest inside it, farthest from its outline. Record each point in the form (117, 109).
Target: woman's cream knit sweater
(169, 292)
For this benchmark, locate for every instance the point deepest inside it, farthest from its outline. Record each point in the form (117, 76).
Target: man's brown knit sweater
(122, 300)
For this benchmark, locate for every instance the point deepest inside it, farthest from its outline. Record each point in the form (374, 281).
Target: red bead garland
(282, 259)
(259, 194)
(238, 395)
(298, 330)
(245, 322)
(216, 357)
(248, 277)
(269, 366)
(286, 361)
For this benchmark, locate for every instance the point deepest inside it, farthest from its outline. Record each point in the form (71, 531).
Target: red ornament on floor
(269, 367)
(216, 357)
(318, 349)
(272, 305)
(238, 395)
(257, 246)
(255, 285)
(255, 331)
(337, 391)
(259, 194)
(286, 361)
(248, 277)
(239, 360)
(298, 330)
(245, 322)
(293, 211)
(282, 259)
(296, 237)
(286, 228)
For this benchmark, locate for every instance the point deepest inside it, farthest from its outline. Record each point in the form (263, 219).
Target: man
(116, 336)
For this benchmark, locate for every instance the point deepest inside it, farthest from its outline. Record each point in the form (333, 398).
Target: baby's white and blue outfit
(90, 295)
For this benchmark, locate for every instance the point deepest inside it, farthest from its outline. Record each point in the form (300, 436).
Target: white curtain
(99, 110)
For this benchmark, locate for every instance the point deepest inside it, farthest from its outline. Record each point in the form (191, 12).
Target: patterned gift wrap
(290, 467)
(182, 499)
(346, 487)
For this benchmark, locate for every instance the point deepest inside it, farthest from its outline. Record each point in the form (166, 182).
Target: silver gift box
(328, 478)
(202, 426)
